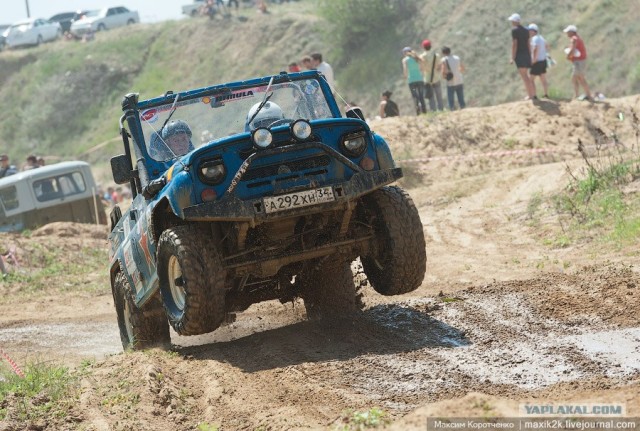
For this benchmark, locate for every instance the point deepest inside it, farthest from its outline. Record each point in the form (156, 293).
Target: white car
(104, 19)
(32, 31)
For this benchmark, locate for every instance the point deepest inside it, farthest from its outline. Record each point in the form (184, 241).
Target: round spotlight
(213, 171)
(354, 146)
(301, 130)
(262, 138)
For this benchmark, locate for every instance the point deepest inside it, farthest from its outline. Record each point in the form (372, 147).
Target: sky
(149, 10)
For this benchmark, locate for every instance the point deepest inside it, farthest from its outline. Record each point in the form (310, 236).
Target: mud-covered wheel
(140, 328)
(191, 281)
(328, 290)
(398, 262)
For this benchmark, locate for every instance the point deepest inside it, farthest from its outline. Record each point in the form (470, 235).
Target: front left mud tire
(192, 281)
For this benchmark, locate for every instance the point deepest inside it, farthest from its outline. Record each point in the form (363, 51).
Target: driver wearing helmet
(269, 114)
(177, 136)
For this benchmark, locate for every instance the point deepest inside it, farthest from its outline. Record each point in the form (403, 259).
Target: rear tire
(191, 281)
(328, 290)
(399, 263)
(140, 328)
(102, 27)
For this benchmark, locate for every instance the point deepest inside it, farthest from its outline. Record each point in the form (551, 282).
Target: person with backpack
(388, 108)
(412, 71)
(433, 89)
(451, 69)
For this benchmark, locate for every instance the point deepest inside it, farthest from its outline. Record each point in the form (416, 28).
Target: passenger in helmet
(157, 148)
(177, 135)
(269, 114)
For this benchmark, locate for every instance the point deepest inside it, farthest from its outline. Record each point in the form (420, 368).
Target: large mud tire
(399, 262)
(140, 328)
(191, 281)
(328, 290)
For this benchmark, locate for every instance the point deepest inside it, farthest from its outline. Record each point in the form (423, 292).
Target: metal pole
(27, 3)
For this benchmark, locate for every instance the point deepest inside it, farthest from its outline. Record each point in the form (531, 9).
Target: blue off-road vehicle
(252, 191)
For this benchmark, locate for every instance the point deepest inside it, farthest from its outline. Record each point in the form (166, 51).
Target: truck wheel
(102, 27)
(140, 328)
(329, 290)
(191, 281)
(398, 263)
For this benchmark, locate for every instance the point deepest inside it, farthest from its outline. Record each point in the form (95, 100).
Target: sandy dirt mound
(72, 230)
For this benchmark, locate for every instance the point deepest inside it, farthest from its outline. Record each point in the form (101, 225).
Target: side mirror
(355, 112)
(121, 169)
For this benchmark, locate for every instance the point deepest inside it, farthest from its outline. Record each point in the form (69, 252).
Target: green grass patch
(357, 421)
(44, 267)
(46, 390)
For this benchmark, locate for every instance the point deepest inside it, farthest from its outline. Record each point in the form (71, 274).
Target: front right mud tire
(191, 280)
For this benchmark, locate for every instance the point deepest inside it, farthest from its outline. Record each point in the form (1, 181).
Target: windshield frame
(224, 93)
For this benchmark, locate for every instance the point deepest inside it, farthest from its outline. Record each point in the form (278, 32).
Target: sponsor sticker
(150, 115)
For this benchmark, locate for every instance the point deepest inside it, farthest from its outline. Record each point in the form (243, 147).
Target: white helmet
(269, 113)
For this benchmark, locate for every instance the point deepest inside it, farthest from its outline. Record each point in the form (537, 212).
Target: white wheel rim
(178, 293)
(127, 320)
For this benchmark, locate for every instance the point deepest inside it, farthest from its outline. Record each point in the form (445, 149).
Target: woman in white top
(538, 50)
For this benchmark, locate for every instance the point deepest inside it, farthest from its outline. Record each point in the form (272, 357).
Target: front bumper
(231, 208)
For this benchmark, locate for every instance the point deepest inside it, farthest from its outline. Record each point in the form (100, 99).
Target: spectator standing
(306, 62)
(293, 67)
(577, 54)
(388, 108)
(116, 195)
(108, 196)
(412, 71)
(539, 49)
(262, 6)
(324, 67)
(6, 168)
(32, 163)
(451, 69)
(429, 60)
(221, 7)
(520, 54)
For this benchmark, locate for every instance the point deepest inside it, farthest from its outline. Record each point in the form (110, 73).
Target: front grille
(291, 167)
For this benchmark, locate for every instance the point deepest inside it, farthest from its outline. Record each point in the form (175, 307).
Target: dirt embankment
(502, 318)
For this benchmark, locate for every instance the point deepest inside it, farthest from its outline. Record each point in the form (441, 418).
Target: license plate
(298, 199)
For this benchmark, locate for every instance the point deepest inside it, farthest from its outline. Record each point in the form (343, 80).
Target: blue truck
(252, 191)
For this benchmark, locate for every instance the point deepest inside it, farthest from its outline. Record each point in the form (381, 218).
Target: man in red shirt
(577, 54)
